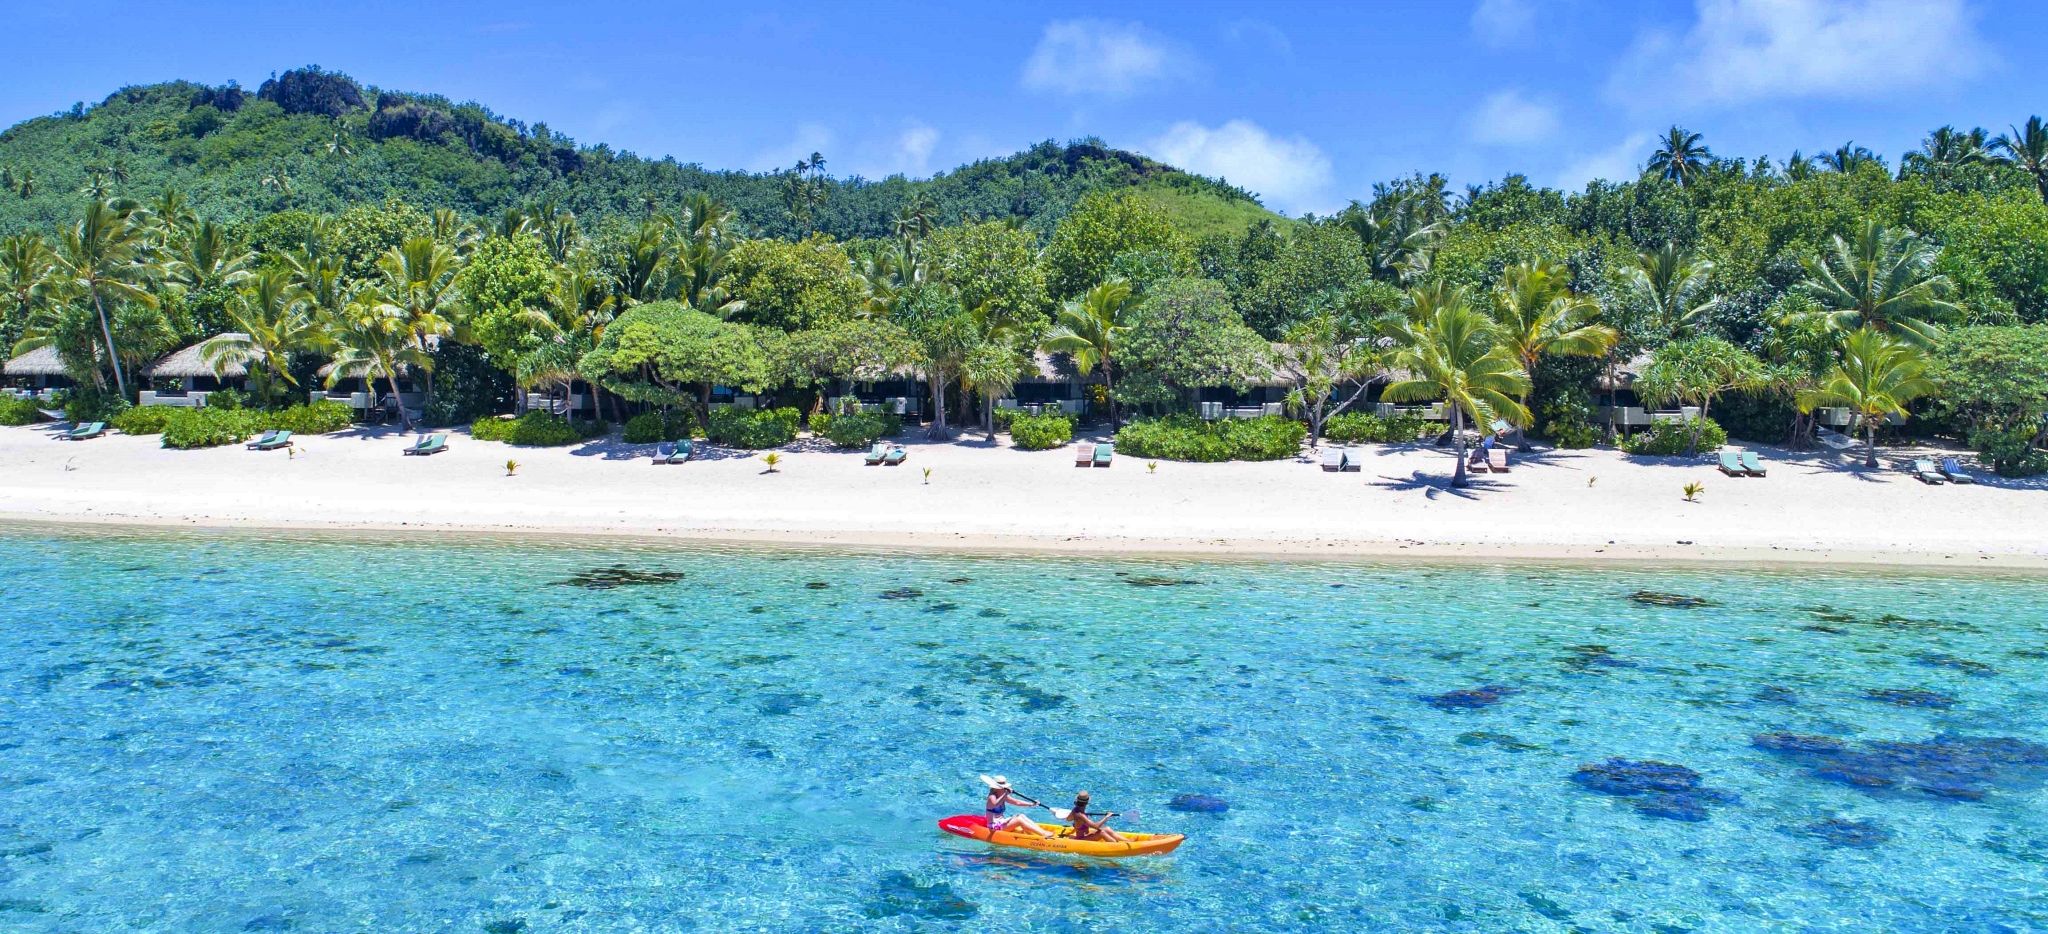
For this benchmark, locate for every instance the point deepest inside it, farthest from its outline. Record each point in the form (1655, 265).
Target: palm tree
(272, 320)
(101, 259)
(26, 263)
(1535, 312)
(1878, 375)
(170, 214)
(208, 258)
(1882, 279)
(1798, 167)
(339, 144)
(25, 183)
(95, 186)
(916, 219)
(1947, 152)
(2025, 147)
(1667, 281)
(279, 179)
(418, 278)
(373, 338)
(569, 322)
(1092, 329)
(118, 170)
(643, 263)
(1395, 235)
(1681, 157)
(1848, 157)
(1452, 352)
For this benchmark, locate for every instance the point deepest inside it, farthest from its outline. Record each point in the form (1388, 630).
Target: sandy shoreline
(1572, 507)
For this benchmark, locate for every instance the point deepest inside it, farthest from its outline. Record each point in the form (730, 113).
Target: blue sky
(1305, 103)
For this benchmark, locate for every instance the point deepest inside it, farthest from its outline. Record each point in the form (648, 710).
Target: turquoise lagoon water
(241, 733)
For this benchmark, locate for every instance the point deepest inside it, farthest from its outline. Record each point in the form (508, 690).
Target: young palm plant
(1878, 376)
(1881, 279)
(1450, 351)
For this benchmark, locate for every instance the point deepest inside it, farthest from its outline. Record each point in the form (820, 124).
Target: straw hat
(996, 781)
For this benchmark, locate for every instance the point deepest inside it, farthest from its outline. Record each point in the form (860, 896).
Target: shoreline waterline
(1135, 548)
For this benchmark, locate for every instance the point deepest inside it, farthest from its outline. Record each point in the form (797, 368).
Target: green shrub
(209, 427)
(2010, 452)
(19, 411)
(650, 427)
(535, 430)
(319, 418)
(1668, 439)
(1568, 424)
(753, 428)
(1002, 418)
(1040, 432)
(1356, 427)
(142, 420)
(857, 430)
(1187, 438)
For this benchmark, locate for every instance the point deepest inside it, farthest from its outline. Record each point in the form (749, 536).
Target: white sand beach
(1577, 505)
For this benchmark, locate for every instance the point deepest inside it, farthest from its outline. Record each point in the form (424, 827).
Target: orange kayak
(975, 827)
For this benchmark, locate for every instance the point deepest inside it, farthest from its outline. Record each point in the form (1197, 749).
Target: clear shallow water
(248, 734)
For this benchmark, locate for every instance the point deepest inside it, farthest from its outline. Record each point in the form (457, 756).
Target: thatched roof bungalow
(41, 362)
(191, 363)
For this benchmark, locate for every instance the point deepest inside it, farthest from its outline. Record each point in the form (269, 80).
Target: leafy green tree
(992, 264)
(792, 286)
(1680, 157)
(26, 266)
(660, 351)
(1092, 329)
(1877, 376)
(1671, 285)
(1949, 155)
(1331, 368)
(945, 333)
(1317, 273)
(1849, 157)
(859, 349)
(1102, 227)
(1881, 279)
(1183, 336)
(1698, 370)
(272, 321)
(372, 340)
(1995, 250)
(506, 289)
(1450, 351)
(1993, 383)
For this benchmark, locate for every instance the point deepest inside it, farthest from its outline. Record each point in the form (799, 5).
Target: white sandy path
(1595, 505)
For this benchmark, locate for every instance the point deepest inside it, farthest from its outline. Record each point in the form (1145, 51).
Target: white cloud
(1503, 22)
(1740, 51)
(914, 149)
(1096, 57)
(1290, 174)
(1508, 118)
(808, 138)
(1261, 32)
(1620, 163)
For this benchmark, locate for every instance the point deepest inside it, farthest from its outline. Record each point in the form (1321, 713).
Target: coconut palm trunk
(404, 416)
(113, 355)
(1869, 441)
(1458, 478)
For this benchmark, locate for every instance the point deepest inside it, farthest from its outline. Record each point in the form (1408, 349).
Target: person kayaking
(1001, 794)
(1088, 827)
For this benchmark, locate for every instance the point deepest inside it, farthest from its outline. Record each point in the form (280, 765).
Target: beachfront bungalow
(1052, 385)
(899, 392)
(185, 377)
(1619, 405)
(368, 396)
(37, 374)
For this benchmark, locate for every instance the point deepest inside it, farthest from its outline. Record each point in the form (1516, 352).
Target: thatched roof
(1624, 374)
(191, 361)
(42, 361)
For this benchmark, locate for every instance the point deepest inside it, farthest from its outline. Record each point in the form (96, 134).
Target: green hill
(319, 140)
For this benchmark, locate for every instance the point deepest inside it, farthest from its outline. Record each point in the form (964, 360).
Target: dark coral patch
(1469, 698)
(618, 576)
(1198, 804)
(1911, 697)
(1849, 834)
(1594, 657)
(902, 593)
(1148, 580)
(1654, 789)
(1951, 662)
(1955, 768)
(899, 893)
(1674, 600)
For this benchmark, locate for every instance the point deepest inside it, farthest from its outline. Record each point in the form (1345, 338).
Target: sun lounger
(1752, 463)
(1333, 459)
(1497, 459)
(1924, 469)
(1953, 470)
(431, 444)
(1731, 464)
(876, 454)
(87, 430)
(895, 456)
(272, 440)
(1103, 452)
(1351, 461)
(1084, 455)
(673, 452)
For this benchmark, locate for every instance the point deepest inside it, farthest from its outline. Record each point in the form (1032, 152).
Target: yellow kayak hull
(975, 827)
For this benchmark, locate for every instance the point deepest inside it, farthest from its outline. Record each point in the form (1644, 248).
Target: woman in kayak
(1089, 828)
(999, 795)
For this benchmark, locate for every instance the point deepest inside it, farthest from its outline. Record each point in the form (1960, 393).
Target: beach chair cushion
(431, 444)
(1497, 460)
(1753, 464)
(1924, 469)
(1351, 461)
(272, 440)
(877, 454)
(1103, 453)
(1953, 470)
(1333, 459)
(87, 430)
(895, 456)
(1731, 464)
(1084, 455)
(665, 453)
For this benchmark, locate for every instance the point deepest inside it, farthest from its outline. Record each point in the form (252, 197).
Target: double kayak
(975, 827)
